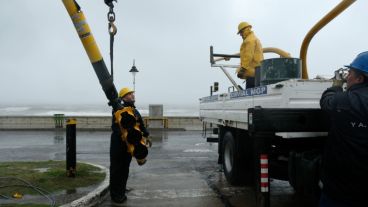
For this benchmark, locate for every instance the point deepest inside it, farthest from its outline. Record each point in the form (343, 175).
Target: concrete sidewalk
(181, 170)
(171, 175)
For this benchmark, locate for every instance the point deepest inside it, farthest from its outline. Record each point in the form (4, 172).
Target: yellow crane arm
(91, 48)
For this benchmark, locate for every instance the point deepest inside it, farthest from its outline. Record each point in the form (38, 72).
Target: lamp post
(134, 71)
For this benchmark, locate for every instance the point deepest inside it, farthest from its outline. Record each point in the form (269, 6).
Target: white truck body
(231, 109)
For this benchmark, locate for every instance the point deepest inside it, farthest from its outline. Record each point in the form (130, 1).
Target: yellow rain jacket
(251, 54)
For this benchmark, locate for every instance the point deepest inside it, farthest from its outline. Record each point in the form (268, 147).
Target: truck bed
(231, 109)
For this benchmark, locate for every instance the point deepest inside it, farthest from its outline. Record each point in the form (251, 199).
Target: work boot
(119, 201)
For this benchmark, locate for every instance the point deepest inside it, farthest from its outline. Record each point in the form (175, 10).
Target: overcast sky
(43, 61)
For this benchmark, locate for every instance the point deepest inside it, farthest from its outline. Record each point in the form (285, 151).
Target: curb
(96, 196)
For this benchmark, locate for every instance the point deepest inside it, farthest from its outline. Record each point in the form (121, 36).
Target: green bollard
(59, 120)
(55, 120)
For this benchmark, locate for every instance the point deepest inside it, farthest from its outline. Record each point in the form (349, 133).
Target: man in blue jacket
(345, 160)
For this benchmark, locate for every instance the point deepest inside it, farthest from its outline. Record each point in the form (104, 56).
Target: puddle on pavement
(158, 136)
(59, 136)
(61, 197)
(42, 170)
(197, 150)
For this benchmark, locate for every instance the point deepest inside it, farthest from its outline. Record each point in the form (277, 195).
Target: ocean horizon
(89, 110)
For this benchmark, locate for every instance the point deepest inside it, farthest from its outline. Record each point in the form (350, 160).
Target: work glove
(148, 142)
(340, 76)
(240, 72)
(338, 83)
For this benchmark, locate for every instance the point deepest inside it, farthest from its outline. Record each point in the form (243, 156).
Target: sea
(90, 110)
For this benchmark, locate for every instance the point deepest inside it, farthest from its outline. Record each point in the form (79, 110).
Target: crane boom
(91, 48)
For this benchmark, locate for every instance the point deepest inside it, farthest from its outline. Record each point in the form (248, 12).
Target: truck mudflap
(287, 120)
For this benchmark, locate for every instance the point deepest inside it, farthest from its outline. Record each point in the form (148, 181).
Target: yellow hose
(323, 22)
(278, 51)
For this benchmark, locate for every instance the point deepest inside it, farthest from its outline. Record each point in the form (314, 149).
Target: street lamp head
(134, 69)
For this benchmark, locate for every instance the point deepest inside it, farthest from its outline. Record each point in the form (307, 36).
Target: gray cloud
(43, 61)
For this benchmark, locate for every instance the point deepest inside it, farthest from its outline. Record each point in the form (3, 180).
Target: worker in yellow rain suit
(128, 139)
(251, 54)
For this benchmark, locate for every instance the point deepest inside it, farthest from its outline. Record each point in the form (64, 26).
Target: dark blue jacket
(345, 160)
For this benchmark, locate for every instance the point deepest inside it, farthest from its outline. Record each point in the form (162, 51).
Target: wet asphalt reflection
(181, 170)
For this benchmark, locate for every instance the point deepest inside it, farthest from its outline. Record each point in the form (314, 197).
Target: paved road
(182, 168)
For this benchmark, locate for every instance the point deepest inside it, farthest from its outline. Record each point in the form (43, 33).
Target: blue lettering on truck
(249, 92)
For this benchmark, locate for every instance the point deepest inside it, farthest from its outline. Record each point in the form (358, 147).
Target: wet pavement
(181, 170)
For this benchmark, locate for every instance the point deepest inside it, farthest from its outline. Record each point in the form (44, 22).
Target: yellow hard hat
(125, 91)
(243, 25)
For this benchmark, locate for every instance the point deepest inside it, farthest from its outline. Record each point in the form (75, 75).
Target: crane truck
(276, 129)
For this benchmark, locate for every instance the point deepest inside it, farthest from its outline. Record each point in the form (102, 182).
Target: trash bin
(59, 120)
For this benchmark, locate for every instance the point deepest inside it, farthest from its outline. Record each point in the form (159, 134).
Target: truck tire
(304, 172)
(231, 161)
(245, 149)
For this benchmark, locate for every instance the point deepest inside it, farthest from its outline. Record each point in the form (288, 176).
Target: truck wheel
(231, 162)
